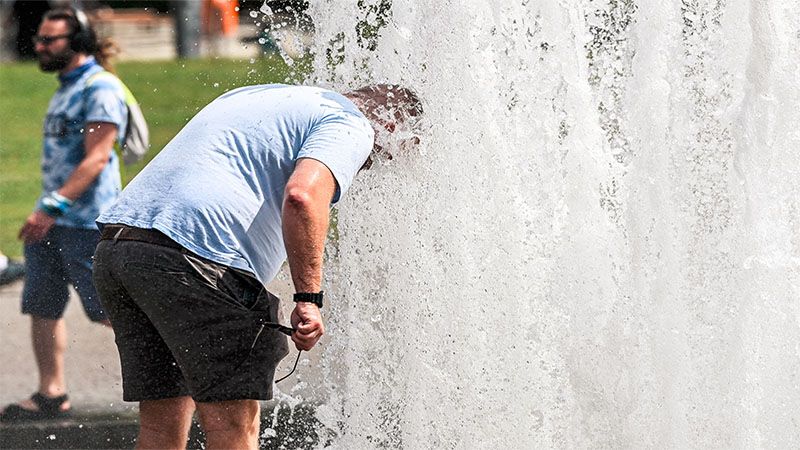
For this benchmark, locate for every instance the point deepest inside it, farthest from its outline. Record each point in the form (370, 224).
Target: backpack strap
(137, 136)
(129, 98)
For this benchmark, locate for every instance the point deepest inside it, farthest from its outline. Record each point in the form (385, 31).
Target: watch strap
(310, 297)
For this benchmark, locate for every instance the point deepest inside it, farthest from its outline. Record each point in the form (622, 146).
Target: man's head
(64, 36)
(391, 109)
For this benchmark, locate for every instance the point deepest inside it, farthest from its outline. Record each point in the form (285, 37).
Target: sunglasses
(47, 40)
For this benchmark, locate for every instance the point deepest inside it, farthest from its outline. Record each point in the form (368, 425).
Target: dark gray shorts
(187, 326)
(62, 258)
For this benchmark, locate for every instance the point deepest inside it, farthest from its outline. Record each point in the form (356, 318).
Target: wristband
(310, 297)
(54, 204)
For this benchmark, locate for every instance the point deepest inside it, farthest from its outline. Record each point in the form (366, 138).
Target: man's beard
(54, 62)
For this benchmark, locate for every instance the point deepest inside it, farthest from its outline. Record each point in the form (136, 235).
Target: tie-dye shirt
(73, 106)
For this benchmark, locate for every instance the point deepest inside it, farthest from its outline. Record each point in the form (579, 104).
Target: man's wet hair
(401, 102)
(386, 104)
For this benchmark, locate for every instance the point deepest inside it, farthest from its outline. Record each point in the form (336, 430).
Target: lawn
(170, 93)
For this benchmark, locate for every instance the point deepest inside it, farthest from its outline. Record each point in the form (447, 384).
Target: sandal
(49, 408)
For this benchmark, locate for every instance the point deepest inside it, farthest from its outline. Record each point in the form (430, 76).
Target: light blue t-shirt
(217, 188)
(71, 108)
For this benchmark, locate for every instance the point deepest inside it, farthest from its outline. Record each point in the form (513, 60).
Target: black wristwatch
(310, 297)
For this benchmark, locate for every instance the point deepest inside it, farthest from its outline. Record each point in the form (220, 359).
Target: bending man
(193, 239)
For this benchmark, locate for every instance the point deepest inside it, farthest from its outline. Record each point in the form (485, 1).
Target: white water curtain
(596, 243)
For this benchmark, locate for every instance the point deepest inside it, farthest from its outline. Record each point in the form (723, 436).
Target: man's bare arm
(98, 142)
(306, 207)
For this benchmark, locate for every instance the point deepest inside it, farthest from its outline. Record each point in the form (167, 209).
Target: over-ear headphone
(84, 39)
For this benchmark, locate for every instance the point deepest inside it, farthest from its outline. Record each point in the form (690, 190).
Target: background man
(196, 235)
(80, 177)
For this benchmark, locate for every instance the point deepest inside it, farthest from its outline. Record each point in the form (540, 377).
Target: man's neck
(78, 60)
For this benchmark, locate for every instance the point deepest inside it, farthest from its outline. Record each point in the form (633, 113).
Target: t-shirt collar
(77, 72)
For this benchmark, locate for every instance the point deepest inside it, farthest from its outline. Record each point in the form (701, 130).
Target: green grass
(170, 93)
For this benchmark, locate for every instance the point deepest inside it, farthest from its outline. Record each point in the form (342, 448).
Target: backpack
(137, 135)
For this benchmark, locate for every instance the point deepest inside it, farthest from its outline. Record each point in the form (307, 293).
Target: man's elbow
(99, 162)
(298, 199)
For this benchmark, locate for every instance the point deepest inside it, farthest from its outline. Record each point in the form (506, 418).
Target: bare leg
(49, 344)
(164, 424)
(231, 424)
(49, 339)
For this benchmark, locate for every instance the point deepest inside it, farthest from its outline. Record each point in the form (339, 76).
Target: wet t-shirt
(217, 188)
(73, 106)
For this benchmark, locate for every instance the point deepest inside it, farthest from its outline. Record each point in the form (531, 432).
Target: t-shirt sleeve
(342, 141)
(105, 102)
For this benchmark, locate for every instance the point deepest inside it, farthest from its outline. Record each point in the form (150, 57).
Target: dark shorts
(185, 325)
(62, 258)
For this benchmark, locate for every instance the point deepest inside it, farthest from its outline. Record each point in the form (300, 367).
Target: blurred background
(176, 56)
(160, 30)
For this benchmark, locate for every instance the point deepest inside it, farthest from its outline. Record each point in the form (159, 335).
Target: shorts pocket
(243, 290)
(180, 276)
(206, 271)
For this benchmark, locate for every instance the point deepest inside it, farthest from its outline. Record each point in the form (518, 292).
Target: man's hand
(36, 227)
(307, 322)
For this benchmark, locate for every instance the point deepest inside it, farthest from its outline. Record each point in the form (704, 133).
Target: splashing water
(595, 245)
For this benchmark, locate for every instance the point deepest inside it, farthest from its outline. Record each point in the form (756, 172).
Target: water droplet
(538, 419)
(52, 437)
(216, 84)
(253, 14)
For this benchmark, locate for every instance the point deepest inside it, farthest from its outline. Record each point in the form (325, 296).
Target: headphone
(84, 39)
